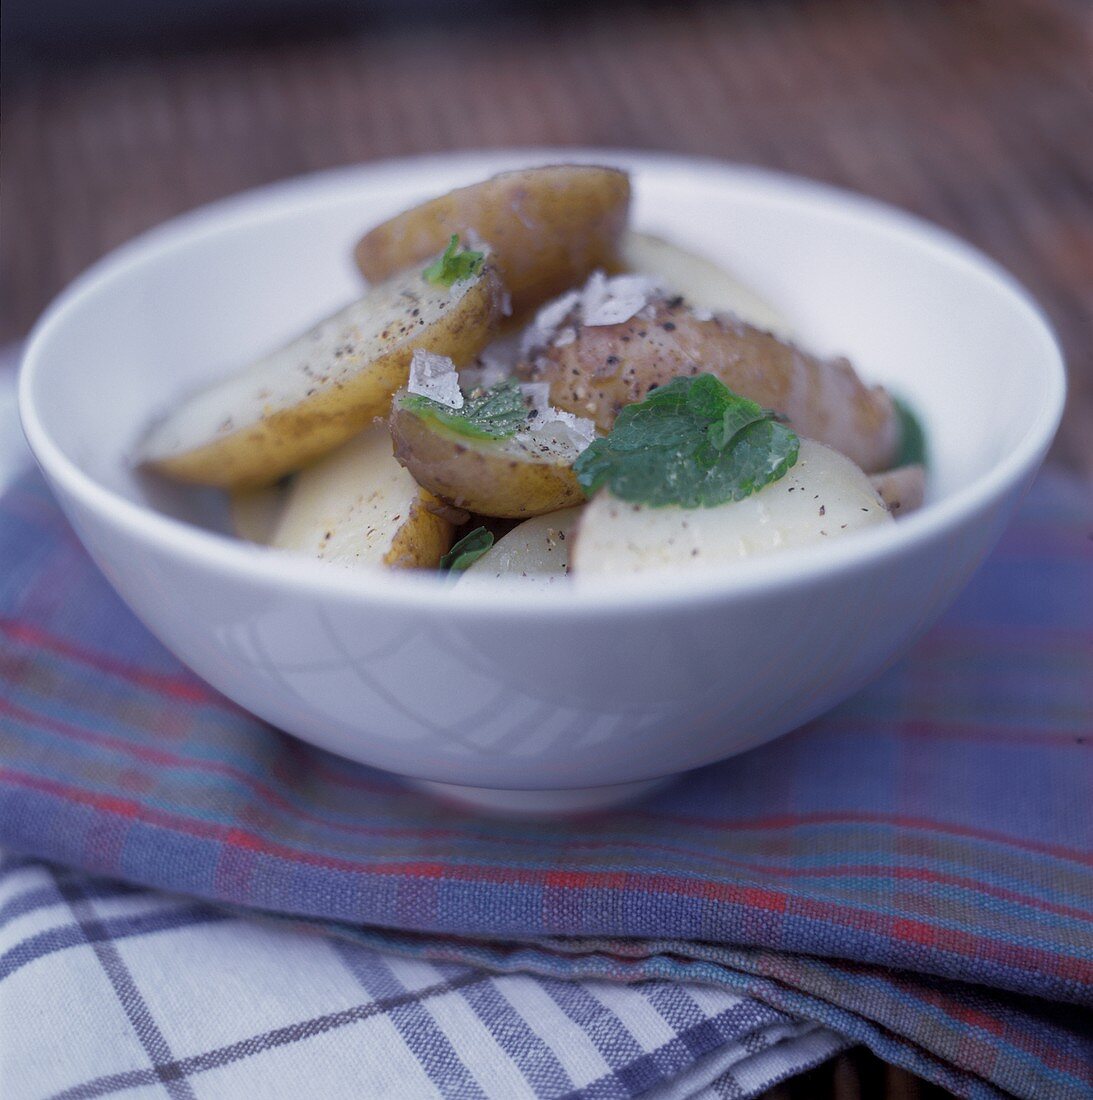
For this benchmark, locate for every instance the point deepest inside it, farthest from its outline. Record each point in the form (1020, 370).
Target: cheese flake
(434, 376)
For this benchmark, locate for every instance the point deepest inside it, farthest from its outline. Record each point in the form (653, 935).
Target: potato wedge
(255, 513)
(358, 507)
(533, 552)
(704, 284)
(595, 369)
(525, 475)
(903, 489)
(548, 228)
(312, 395)
(823, 497)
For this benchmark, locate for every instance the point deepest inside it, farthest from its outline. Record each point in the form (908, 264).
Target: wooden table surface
(977, 114)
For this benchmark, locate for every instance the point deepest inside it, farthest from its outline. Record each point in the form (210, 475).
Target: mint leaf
(693, 443)
(912, 436)
(467, 550)
(734, 420)
(496, 413)
(454, 264)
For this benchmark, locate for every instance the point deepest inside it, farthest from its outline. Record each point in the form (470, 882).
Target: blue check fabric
(111, 990)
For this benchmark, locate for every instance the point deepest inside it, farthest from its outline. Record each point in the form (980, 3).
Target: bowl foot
(540, 804)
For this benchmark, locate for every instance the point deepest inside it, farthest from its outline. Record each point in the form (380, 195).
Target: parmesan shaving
(612, 301)
(557, 425)
(434, 376)
(565, 430)
(603, 300)
(541, 331)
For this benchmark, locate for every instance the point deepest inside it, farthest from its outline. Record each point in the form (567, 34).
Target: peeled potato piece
(823, 497)
(308, 397)
(601, 368)
(903, 489)
(359, 507)
(704, 284)
(255, 513)
(535, 551)
(525, 475)
(548, 228)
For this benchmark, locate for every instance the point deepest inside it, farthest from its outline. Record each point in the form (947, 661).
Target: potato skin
(609, 366)
(505, 478)
(287, 439)
(423, 539)
(548, 228)
(903, 489)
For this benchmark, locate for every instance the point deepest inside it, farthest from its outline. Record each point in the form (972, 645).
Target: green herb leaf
(454, 264)
(912, 438)
(692, 442)
(496, 413)
(735, 419)
(467, 550)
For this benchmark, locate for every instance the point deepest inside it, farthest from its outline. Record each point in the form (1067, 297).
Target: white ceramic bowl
(551, 699)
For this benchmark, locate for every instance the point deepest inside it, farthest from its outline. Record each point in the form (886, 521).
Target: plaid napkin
(913, 871)
(167, 994)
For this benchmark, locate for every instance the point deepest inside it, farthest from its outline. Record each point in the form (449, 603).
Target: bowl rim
(491, 598)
